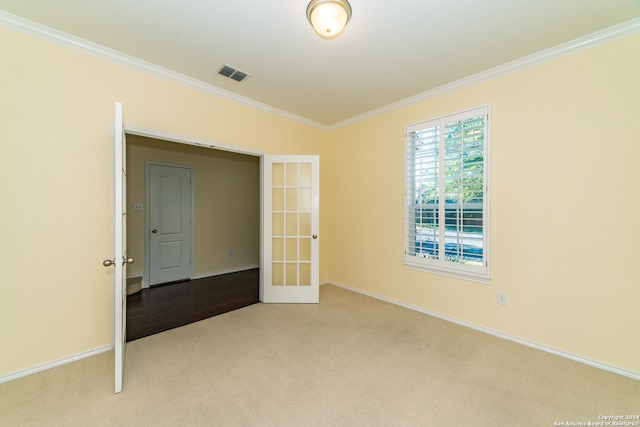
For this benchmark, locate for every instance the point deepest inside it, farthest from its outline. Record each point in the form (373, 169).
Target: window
(446, 195)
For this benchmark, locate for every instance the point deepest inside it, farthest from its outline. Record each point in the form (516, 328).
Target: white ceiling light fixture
(328, 17)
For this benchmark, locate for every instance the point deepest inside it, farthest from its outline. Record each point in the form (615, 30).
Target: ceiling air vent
(232, 73)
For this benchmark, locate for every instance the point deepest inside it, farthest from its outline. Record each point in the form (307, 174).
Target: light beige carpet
(349, 361)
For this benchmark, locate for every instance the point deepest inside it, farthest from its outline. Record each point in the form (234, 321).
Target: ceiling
(391, 50)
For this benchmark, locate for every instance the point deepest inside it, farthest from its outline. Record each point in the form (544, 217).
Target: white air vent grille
(232, 73)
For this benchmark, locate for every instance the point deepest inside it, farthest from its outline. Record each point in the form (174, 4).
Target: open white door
(291, 205)
(120, 260)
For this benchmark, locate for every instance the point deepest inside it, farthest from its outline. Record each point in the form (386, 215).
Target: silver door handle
(110, 262)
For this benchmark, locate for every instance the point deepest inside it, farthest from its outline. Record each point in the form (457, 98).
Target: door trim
(147, 237)
(199, 142)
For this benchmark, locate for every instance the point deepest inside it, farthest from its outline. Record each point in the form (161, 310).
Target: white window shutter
(446, 209)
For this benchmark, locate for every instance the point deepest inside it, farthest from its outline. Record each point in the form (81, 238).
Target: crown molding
(568, 48)
(26, 26)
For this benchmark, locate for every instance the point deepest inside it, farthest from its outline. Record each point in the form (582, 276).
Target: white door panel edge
(120, 241)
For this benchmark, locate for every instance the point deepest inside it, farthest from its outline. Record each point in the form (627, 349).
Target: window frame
(441, 266)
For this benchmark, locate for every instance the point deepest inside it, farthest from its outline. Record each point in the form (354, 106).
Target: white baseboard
(46, 366)
(593, 363)
(227, 271)
(605, 367)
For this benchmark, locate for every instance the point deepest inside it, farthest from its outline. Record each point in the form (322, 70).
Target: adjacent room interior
(225, 230)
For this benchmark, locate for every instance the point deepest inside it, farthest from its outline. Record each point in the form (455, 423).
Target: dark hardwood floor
(163, 307)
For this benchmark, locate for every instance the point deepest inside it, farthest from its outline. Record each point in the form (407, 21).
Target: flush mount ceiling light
(328, 17)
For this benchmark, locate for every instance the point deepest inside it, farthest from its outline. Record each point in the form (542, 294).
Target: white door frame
(132, 130)
(147, 236)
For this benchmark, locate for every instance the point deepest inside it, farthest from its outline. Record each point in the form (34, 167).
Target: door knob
(129, 260)
(154, 231)
(315, 236)
(107, 262)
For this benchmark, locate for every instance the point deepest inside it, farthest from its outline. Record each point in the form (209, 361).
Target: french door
(290, 233)
(120, 259)
(291, 201)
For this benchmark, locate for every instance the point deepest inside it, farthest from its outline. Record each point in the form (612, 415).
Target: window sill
(474, 277)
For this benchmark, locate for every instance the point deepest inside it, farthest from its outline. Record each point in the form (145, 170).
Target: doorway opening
(288, 226)
(225, 219)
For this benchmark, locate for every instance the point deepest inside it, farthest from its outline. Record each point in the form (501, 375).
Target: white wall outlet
(138, 207)
(230, 253)
(501, 298)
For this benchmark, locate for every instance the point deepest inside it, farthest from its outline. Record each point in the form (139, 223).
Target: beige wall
(563, 173)
(56, 105)
(226, 204)
(564, 205)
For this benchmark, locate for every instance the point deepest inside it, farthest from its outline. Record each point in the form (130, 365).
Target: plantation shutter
(424, 177)
(446, 216)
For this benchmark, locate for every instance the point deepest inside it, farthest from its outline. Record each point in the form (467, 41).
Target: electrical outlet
(230, 253)
(501, 298)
